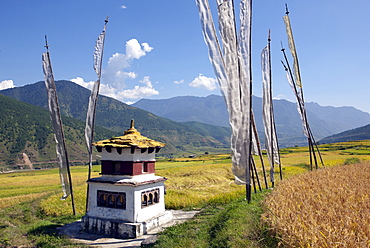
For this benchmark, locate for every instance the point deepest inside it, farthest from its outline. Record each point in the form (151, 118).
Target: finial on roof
(132, 129)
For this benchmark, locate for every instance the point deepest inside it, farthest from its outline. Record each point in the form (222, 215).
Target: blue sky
(155, 49)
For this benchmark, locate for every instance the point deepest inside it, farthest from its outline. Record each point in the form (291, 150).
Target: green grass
(234, 224)
(25, 226)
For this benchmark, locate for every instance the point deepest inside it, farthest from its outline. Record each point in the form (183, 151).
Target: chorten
(127, 200)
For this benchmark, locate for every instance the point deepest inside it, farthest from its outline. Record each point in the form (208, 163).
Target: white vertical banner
(57, 125)
(267, 113)
(293, 51)
(90, 115)
(214, 50)
(245, 76)
(98, 51)
(228, 35)
(233, 77)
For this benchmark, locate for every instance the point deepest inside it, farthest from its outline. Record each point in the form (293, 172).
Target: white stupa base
(121, 229)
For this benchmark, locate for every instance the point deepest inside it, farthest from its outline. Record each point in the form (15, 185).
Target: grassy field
(31, 208)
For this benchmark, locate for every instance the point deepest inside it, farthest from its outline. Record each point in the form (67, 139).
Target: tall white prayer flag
(57, 125)
(272, 148)
(98, 51)
(90, 116)
(297, 73)
(232, 69)
(245, 76)
(294, 79)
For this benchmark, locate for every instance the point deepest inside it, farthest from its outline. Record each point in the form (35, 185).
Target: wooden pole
(259, 150)
(255, 171)
(62, 135)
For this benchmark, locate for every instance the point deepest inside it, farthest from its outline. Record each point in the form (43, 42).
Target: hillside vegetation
(26, 129)
(361, 133)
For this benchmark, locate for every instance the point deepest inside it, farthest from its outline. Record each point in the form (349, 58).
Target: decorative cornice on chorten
(131, 138)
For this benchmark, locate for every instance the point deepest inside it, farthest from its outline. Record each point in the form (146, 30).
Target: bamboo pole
(259, 150)
(61, 132)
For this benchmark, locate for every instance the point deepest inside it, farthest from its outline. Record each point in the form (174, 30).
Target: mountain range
(115, 116)
(186, 124)
(324, 121)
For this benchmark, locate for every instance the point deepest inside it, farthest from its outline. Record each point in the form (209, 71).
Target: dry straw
(324, 208)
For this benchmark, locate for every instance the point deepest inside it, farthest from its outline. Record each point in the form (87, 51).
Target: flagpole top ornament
(106, 20)
(286, 9)
(282, 47)
(46, 43)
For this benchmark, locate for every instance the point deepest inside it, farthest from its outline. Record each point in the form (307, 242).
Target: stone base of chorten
(122, 229)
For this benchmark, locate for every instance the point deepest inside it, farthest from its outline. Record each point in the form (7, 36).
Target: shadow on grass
(50, 229)
(47, 236)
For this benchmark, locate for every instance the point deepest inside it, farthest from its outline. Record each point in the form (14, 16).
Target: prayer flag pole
(62, 156)
(91, 111)
(90, 116)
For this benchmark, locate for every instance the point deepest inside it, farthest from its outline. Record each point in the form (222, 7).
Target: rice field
(191, 184)
(323, 208)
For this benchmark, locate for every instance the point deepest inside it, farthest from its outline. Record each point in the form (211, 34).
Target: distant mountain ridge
(210, 110)
(360, 133)
(203, 121)
(324, 121)
(115, 116)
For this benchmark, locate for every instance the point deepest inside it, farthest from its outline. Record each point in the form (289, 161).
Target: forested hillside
(27, 129)
(361, 133)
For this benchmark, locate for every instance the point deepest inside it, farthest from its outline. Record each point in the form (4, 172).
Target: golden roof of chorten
(131, 137)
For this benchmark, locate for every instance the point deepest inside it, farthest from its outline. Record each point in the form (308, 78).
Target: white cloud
(179, 82)
(117, 93)
(107, 90)
(131, 74)
(146, 47)
(135, 51)
(203, 82)
(80, 81)
(278, 97)
(139, 91)
(6, 84)
(123, 7)
(116, 72)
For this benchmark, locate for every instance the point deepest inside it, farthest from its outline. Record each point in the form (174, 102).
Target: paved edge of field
(73, 231)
